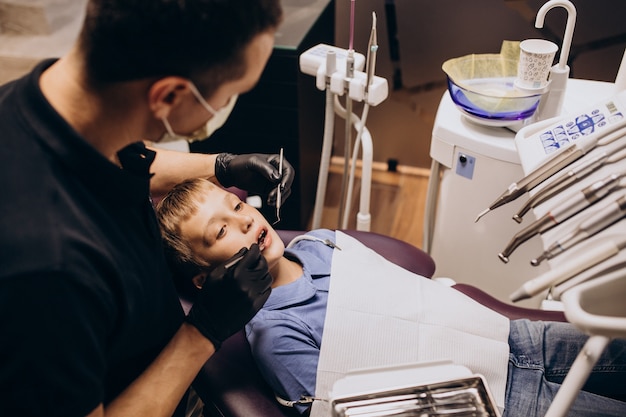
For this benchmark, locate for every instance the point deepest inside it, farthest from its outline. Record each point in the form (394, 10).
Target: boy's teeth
(262, 236)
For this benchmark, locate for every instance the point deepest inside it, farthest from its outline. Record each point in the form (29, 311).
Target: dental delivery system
(570, 177)
(578, 202)
(584, 138)
(590, 226)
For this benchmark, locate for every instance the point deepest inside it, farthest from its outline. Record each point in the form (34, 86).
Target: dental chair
(230, 384)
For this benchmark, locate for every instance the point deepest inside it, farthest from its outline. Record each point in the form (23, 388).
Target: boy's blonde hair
(176, 207)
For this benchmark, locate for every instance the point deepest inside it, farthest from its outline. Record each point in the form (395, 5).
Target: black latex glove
(231, 295)
(256, 173)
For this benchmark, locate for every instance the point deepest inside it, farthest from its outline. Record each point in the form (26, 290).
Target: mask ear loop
(168, 127)
(196, 93)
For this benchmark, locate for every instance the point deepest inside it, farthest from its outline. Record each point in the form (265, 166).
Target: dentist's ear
(199, 280)
(166, 93)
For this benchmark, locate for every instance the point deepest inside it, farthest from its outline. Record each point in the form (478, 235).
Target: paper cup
(535, 61)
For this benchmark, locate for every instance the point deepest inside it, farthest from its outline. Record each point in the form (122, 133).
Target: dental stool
(230, 384)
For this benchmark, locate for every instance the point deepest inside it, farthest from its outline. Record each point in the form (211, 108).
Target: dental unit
(571, 155)
(562, 164)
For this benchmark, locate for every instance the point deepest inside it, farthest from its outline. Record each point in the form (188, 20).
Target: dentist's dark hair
(203, 40)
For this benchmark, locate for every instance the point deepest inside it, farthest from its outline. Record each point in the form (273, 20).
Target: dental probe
(599, 252)
(570, 177)
(581, 200)
(279, 195)
(553, 165)
(587, 228)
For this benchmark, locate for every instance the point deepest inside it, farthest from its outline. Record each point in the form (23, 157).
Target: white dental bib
(380, 314)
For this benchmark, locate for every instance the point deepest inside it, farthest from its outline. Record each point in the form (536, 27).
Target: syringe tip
(482, 213)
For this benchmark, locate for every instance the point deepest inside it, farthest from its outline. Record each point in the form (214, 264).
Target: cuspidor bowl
(482, 86)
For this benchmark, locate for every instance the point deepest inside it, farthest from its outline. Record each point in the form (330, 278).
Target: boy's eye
(221, 232)
(239, 206)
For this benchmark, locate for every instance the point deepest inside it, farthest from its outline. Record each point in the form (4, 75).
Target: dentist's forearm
(159, 389)
(172, 167)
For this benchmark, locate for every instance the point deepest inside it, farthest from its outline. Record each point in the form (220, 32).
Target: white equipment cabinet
(472, 165)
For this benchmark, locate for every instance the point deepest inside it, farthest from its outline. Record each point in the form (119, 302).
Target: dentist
(91, 323)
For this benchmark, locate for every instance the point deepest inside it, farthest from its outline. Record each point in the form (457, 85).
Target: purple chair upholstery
(230, 384)
(509, 310)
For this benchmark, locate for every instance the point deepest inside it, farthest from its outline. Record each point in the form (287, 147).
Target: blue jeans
(541, 354)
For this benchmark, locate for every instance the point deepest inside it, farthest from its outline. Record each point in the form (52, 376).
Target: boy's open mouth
(262, 237)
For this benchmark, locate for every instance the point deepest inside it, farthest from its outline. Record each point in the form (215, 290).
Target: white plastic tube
(327, 147)
(363, 220)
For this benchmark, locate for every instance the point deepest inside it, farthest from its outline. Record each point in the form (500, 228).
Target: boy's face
(223, 224)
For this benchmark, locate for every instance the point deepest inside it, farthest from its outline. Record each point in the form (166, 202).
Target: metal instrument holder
(423, 389)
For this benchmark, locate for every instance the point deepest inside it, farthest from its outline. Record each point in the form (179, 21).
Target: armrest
(508, 310)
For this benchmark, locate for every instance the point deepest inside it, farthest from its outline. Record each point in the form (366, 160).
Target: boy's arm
(287, 356)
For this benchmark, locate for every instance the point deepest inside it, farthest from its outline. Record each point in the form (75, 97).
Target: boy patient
(203, 226)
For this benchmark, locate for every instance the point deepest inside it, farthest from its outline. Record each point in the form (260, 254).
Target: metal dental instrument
(372, 49)
(279, 196)
(347, 148)
(570, 177)
(588, 227)
(555, 164)
(597, 253)
(233, 262)
(537, 176)
(581, 200)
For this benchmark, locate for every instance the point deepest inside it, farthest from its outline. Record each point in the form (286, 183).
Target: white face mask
(219, 118)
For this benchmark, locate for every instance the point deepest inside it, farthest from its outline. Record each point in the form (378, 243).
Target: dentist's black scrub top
(86, 300)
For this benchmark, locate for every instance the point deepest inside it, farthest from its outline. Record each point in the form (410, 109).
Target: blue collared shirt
(285, 336)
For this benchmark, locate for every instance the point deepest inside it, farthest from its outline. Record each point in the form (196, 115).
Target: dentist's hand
(231, 295)
(256, 173)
